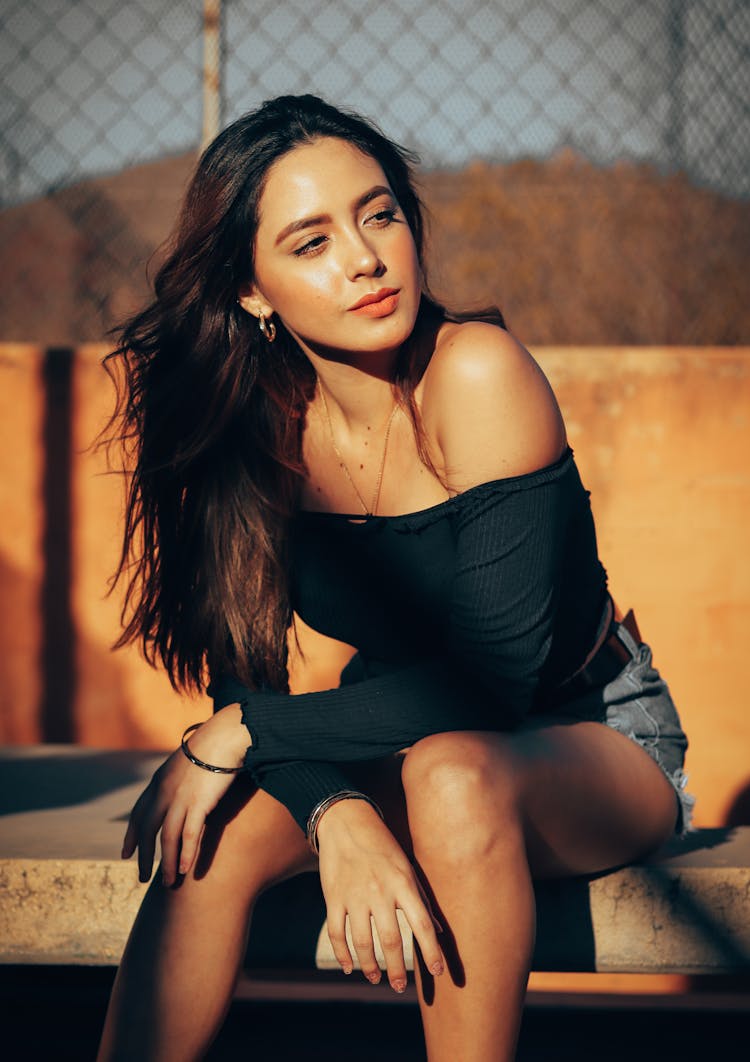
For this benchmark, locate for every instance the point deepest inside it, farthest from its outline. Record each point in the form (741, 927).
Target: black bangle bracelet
(202, 763)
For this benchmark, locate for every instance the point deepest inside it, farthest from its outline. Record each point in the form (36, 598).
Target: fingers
(380, 923)
(128, 843)
(146, 846)
(130, 839)
(388, 931)
(171, 840)
(422, 925)
(143, 825)
(361, 928)
(192, 833)
(337, 937)
(392, 945)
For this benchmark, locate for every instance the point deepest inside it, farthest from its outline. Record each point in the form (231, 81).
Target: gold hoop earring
(267, 328)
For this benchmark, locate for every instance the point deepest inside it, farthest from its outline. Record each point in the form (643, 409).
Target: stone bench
(66, 898)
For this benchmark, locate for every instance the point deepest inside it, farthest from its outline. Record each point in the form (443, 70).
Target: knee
(458, 766)
(461, 795)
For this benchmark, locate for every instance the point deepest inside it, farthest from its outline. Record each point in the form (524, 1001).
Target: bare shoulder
(488, 406)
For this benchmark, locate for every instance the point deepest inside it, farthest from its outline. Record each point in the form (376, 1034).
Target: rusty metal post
(211, 70)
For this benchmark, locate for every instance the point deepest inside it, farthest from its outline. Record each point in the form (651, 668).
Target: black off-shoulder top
(464, 615)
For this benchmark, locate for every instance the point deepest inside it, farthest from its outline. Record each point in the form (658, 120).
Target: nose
(363, 259)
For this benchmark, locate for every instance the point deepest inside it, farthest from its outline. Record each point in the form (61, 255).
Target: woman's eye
(383, 217)
(313, 245)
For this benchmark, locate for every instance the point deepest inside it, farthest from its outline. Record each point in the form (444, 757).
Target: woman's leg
(487, 812)
(178, 972)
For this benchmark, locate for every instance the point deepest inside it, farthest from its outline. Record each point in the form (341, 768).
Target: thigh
(589, 798)
(250, 841)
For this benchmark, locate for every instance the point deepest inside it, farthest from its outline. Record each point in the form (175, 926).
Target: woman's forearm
(364, 720)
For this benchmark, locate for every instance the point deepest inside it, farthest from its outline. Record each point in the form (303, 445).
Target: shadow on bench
(68, 899)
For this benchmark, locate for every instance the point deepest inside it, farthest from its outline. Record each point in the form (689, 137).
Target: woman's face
(331, 235)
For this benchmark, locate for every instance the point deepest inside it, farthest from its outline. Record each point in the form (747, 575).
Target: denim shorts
(637, 703)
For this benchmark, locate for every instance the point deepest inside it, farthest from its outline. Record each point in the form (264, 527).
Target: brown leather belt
(605, 662)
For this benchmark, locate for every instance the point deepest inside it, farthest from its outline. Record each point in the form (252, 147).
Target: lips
(377, 303)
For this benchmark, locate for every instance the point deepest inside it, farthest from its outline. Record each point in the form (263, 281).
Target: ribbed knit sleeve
(361, 721)
(510, 545)
(300, 785)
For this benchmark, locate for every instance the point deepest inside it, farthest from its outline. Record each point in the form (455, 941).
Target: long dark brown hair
(210, 416)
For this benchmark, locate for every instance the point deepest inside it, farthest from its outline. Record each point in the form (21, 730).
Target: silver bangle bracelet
(322, 807)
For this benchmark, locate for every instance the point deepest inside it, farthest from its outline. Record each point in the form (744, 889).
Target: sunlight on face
(331, 234)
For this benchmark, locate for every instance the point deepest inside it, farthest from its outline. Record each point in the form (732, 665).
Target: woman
(316, 441)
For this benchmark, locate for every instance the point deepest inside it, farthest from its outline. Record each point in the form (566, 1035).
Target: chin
(386, 340)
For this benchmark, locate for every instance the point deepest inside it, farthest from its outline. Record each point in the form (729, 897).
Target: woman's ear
(252, 301)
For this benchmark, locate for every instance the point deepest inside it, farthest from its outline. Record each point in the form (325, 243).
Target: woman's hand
(181, 795)
(365, 873)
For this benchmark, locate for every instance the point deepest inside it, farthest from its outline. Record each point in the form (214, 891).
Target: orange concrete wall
(20, 545)
(662, 437)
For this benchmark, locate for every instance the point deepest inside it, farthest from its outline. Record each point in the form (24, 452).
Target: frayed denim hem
(685, 802)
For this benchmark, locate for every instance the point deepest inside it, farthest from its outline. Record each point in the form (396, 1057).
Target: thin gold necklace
(376, 496)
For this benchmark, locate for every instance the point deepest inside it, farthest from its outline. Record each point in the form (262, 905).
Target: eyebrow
(320, 219)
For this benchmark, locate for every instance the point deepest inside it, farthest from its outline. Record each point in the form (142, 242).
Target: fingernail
(347, 969)
(398, 986)
(374, 978)
(436, 969)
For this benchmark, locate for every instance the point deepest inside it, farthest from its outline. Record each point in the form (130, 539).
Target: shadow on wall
(57, 651)
(37, 623)
(738, 812)
(53, 660)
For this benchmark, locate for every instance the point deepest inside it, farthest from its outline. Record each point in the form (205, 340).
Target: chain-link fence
(103, 103)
